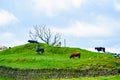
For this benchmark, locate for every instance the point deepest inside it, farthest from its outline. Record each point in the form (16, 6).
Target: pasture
(24, 56)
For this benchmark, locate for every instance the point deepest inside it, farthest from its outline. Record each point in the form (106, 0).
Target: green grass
(24, 56)
(3, 78)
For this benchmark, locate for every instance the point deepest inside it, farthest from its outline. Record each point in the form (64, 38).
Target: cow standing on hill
(33, 41)
(100, 49)
(40, 50)
(75, 54)
(117, 55)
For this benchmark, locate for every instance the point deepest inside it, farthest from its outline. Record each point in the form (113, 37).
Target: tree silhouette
(45, 34)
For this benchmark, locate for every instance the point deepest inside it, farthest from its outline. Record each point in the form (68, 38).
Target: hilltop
(24, 56)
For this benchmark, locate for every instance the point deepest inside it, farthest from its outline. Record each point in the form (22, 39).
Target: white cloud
(6, 36)
(98, 42)
(117, 5)
(16, 42)
(102, 27)
(80, 29)
(10, 39)
(51, 7)
(6, 17)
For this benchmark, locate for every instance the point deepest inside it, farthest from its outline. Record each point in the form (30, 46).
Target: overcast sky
(82, 23)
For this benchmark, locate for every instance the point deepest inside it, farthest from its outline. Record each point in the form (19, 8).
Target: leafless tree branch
(45, 34)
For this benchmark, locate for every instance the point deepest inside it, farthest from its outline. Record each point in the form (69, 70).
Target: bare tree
(32, 35)
(45, 34)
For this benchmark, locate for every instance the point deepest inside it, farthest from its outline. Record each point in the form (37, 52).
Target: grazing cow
(117, 55)
(40, 50)
(75, 54)
(33, 41)
(100, 49)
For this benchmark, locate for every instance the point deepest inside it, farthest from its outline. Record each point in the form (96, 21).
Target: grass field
(24, 56)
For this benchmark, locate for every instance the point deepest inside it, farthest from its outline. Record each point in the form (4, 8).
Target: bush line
(30, 74)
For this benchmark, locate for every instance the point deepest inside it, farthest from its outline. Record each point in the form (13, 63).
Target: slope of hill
(24, 56)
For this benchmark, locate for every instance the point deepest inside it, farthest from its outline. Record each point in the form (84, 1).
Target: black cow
(116, 55)
(33, 41)
(100, 49)
(40, 50)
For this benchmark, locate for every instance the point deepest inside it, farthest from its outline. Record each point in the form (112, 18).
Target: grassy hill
(24, 56)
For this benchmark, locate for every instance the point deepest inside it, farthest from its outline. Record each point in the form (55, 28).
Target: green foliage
(81, 78)
(92, 78)
(24, 56)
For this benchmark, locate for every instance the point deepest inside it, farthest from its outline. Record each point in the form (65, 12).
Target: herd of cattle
(38, 49)
(41, 50)
(74, 54)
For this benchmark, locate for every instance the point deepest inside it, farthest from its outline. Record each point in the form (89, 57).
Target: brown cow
(75, 54)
